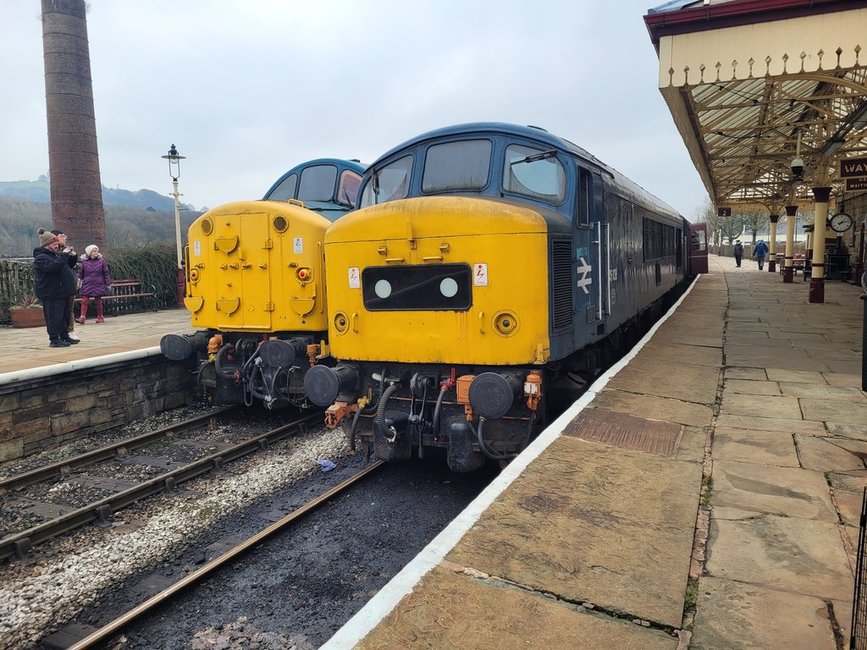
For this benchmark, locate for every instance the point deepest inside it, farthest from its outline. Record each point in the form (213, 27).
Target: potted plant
(27, 313)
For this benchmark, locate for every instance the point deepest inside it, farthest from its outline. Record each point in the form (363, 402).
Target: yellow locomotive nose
(433, 286)
(253, 268)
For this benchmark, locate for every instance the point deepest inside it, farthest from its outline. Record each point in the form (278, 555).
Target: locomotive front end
(438, 311)
(255, 286)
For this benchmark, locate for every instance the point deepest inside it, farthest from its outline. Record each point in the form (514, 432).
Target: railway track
(164, 596)
(21, 544)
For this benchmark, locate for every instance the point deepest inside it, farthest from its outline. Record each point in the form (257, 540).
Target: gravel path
(76, 569)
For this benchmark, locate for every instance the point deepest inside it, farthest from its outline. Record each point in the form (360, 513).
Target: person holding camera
(55, 284)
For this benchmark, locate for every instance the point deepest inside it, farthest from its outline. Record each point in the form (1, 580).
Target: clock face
(841, 222)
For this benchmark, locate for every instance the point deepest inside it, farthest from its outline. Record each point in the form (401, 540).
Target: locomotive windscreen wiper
(535, 157)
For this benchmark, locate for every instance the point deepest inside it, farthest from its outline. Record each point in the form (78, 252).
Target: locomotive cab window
(534, 173)
(347, 191)
(317, 183)
(285, 190)
(388, 183)
(457, 166)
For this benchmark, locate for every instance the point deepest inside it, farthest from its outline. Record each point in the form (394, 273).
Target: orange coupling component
(462, 389)
(335, 413)
(312, 353)
(533, 390)
(462, 384)
(214, 345)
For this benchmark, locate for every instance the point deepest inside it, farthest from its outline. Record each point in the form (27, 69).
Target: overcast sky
(247, 89)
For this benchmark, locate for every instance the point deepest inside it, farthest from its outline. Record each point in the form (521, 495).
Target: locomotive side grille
(561, 284)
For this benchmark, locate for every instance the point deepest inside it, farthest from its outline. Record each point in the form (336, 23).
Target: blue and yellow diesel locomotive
(255, 286)
(486, 274)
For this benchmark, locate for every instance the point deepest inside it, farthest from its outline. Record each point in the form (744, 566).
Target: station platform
(705, 493)
(26, 349)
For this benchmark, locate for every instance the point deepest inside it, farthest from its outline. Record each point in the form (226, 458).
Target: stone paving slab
(828, 411)
(854, 481)
(751, 374)
(856, 431)
(655, 408)
(848, 380)
(751, 387)
(692, 444)
(754, 446)
(689, 383)
(824, 454)
(766, 406)
(736, 615)
(804, 376)
(778, 490)
(453, 610)
(849, 505)
(781, 357)
(618, 532)
(785, 553)
(788, 425)
(824, 392)
(660, 354)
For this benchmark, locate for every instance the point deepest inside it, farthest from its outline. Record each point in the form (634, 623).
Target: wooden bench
(798, 262)
(124, 297)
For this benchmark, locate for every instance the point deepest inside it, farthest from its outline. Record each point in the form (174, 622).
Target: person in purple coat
(95, 281)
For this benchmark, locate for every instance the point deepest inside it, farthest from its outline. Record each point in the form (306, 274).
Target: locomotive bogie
(400, 410)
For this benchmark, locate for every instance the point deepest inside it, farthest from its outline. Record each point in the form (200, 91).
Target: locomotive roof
(543, 136)
(340, 163)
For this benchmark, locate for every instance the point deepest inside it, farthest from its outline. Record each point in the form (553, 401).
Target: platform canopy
(753, 84)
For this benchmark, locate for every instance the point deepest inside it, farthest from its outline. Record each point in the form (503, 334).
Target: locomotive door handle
(482, 322)
(608, 266)
(598, 243)
(354, 322)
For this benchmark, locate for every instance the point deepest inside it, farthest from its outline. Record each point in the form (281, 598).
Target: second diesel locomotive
(489, 270)
(255, 286)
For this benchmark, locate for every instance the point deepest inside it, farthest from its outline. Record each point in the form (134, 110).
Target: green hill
(131, 218)
(39, 191)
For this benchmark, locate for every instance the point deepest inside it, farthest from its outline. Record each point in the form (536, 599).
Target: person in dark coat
(95, 281)
(54, 282)
(739, 252)
(760, 252)
(73, 263)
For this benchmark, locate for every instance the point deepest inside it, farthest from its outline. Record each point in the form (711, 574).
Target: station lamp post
(175, 172)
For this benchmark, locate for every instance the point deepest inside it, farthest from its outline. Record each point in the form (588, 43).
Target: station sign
(853, 168)
(856, 184)
(724, 212)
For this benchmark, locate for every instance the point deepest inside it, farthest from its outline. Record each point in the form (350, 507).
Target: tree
(732, 227)
(755, 223)
(73, 159)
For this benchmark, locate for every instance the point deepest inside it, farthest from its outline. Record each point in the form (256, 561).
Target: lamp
(175, 172)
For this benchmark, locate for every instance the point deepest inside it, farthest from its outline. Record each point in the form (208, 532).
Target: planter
(27, 317)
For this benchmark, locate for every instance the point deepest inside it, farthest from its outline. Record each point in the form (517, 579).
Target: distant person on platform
(739, 252)
(95, 281)
(73, 262)
(54, 282)
(761, 253)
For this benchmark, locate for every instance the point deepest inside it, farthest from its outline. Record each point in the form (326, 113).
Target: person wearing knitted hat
(73, 264)
(95, 281)
(54, 282)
